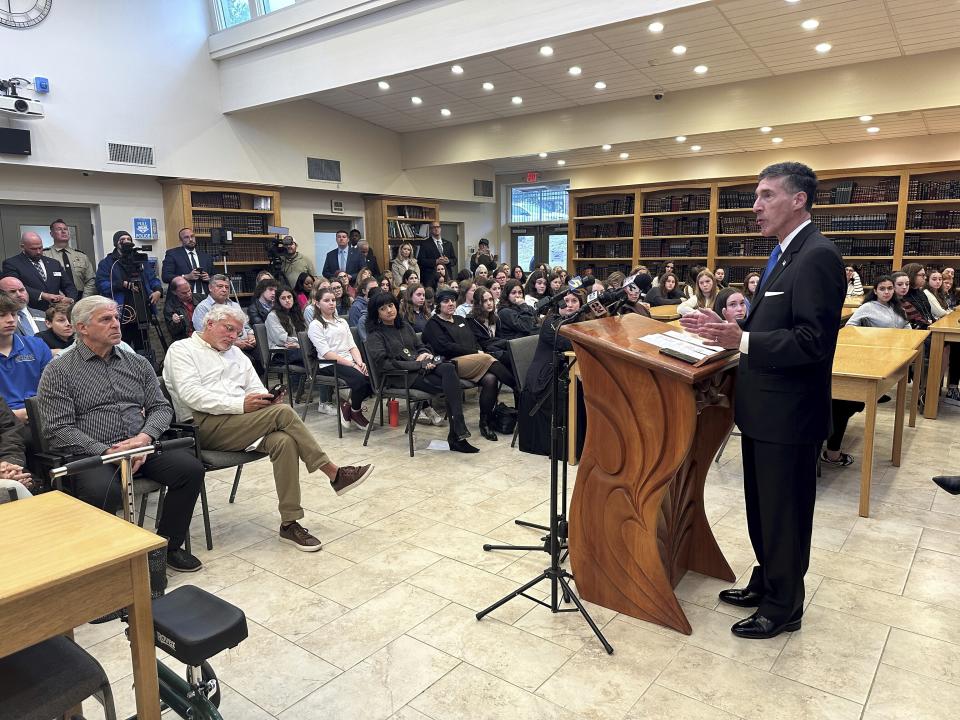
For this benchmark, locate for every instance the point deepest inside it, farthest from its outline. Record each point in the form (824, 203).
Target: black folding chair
(283, 369)
(313, 364)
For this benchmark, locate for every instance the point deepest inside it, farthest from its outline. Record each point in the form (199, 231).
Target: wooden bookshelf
(246, 210)
(875, 216)
(602, 232)
(391, 221)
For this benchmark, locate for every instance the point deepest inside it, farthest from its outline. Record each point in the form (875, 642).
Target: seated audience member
(704, 295)
(29, 320)
(730, 304)
(392, 345)
(841, 411)
(644, 282)
(935, 294)
(614, 281)
(429, 300)
(213, 383)
(689, 288)
(219, 294)
(334, 342)
(750, 283)
(949, 290)
(464, 274)
(178, 308)
(344, 301)
(909, 284)
(536, 288)
(321, 284)
(96, 399)
(114, 282)
(410, 276)
(303, 288)
(481, 274)
(358, 311)
(518, 274)
(59, 333)
(344, 279)
(720, 276)
(494, 287)
(403, 263)
(367, 258)
(386, 284)
(483, 323)
(464, 299)
(45, 279)
(666, 292)
(633, 302)
(880, 308)
(283, 324)
(22, 360)
(261, 275)
(517, 318)
(13, 473)
(440, 277)
(264, 296)
(667, 268)
(413, 306)
(854, 286)
(449, 337)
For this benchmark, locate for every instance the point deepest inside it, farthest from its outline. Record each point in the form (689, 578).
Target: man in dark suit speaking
(786, 347)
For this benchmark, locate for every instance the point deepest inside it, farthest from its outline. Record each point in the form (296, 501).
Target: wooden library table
(664, 312)
(891, 338)
(945, 330)
(865, 377)
(853, 301)
(64, 563)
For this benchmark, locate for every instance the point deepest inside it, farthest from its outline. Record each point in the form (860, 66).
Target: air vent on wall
(483, 188)
(320, 169)
(125, 154)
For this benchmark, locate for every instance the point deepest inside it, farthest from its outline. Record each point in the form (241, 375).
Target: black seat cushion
(193, 625)
(217, 459)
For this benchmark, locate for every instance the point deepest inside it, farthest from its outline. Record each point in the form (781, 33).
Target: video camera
(276, 248)
(132, 259)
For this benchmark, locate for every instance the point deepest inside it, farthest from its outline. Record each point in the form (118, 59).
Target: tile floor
(380, 623)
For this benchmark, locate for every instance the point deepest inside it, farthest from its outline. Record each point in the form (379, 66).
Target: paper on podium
(686, 346)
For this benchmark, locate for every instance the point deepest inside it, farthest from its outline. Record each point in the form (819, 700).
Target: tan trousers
(285, 438)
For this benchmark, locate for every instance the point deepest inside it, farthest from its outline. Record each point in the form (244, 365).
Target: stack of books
(933, 219)
(676, 203)
(621, 205)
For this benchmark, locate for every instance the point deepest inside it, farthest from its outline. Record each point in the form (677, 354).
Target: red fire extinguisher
(393, 407)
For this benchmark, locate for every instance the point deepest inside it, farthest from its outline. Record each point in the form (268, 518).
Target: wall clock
(23, 14)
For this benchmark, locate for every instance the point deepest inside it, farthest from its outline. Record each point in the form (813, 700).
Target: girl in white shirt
(704, 295)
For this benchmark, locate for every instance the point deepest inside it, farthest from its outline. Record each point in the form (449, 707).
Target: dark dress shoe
(461, 446)
(950, 483)
(458, 428)
(758, 627)
(485, 430)
(741, 597)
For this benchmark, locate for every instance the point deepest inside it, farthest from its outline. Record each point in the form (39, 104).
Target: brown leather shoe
(357, 418)
(349, 476)
(297, 535)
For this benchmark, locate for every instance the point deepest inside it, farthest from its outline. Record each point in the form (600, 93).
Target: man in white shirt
(219, 294)
(29, 320)
(210, 380)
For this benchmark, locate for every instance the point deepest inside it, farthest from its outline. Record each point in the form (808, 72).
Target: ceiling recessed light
(575, 70)
(679, 49)
(600, 85)
(561, 163)
(516, 100)
(681, 138)
(456, 69)
(776, 140)
(766, 129)
(416, 100)
(823, 48)
(866, 118)
(873, 129)
(546, 50)
(695, 148)
(542, 155)
(624, 156)
(488, 86)
(383, 85)
(445, 112)
(606, 146)
(655, 27)
(810, 24)
(700, 69)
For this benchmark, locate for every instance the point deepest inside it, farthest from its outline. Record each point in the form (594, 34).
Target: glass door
(535, 244)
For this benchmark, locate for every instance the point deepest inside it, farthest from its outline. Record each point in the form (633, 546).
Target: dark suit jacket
(427, 258)
(58, 280)
(783, 382)
(176, 262)
(331, 265)
(369, 262)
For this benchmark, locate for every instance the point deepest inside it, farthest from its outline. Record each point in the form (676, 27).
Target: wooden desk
(945, 330)
(83, 563)
(891, 338)
(865, 377)
(664, 312)
(845, 314)
(854, 301)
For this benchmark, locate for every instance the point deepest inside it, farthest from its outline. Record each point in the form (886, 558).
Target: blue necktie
(771, 264)
(343, 260)
(25, 327)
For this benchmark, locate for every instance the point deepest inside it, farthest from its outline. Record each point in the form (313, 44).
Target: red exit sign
(533, 177)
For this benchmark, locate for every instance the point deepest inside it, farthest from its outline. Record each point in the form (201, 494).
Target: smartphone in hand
(278, 390)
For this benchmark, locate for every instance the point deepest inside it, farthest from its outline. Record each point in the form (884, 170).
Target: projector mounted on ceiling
(13, 104)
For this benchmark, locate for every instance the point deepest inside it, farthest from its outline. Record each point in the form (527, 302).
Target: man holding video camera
(122, 276)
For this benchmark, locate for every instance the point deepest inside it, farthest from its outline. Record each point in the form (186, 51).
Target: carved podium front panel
(654, 424)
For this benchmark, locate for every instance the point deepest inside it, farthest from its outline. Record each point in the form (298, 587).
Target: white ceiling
(736, 39)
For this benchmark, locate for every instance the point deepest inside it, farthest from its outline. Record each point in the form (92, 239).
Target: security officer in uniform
(73, 261)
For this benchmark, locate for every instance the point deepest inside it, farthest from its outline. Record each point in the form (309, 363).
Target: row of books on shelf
(607, 229)
(602, 272)
(746, 247)
(603, 249)
(933, 189)
(864, 246)
(244, 224)
(238, 251)
(872, 271)
(412, 230)
(224, 200)
(676, 203)
(414, 212)
(930, 247)
(699, 225)
(736, 199)
(850, 191)
(620, 205)
(673, 248)
(845, 223)
(933, 219)
(737, 224)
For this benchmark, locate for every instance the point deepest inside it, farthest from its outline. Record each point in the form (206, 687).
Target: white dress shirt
(335, 337)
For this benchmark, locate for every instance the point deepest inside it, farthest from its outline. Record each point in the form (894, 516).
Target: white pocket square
(773, 293)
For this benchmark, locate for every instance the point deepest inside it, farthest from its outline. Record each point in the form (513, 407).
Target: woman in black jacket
(517, 319)
(484, 325)
(448, 336)
(666, 293)
(392, 345)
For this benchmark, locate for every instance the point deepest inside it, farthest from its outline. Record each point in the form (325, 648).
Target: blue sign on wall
(145, 229)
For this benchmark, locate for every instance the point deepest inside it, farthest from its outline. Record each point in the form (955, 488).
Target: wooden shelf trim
(673, 237)
(612, 239)
(675, 212)
(602, 259)
(602, 217)
(231, 210)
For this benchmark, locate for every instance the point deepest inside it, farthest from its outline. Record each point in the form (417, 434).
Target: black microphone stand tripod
(555, 541)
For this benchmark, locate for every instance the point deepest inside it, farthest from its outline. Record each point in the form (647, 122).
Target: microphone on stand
(546, 303)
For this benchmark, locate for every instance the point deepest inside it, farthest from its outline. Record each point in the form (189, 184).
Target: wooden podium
(654, 425)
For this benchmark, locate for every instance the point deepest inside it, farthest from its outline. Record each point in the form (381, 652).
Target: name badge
(56, 274)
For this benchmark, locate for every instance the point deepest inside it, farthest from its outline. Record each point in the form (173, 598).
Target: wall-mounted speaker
(14, 141)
